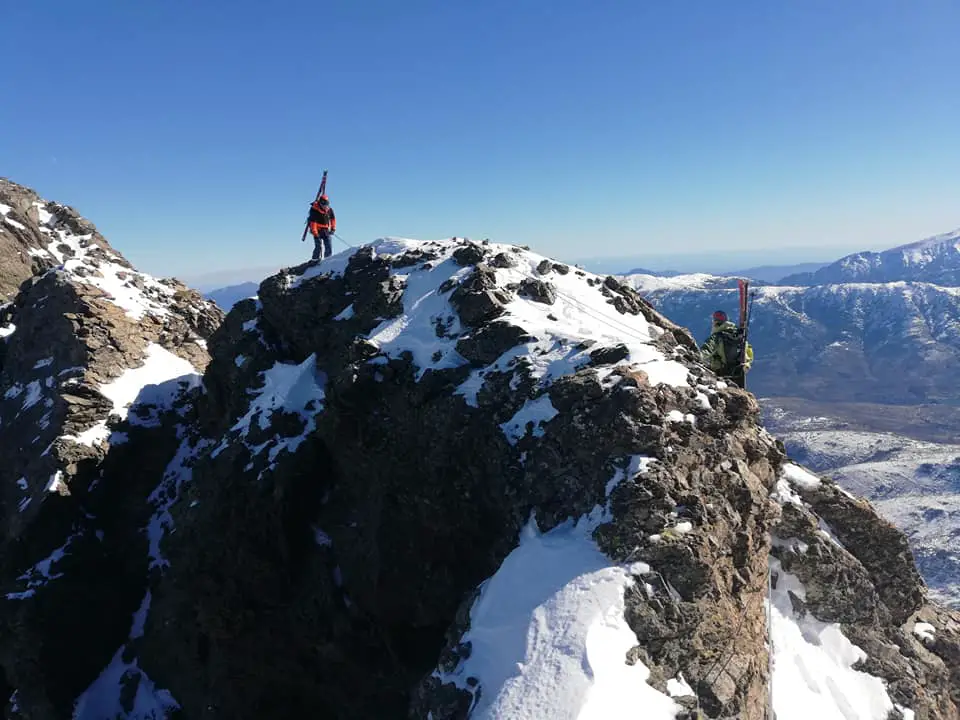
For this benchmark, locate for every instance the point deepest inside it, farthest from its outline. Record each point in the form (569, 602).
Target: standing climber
(323, 224)
(725, 351)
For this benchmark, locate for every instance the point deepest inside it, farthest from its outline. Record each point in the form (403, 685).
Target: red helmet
(719, 316)
(324, 198)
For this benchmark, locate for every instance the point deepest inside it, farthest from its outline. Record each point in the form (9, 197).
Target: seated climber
(721, 351)
(323, 224)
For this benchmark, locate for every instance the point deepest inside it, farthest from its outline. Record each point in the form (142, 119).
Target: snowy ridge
(88, 262)
(692, 281)
(579, 321)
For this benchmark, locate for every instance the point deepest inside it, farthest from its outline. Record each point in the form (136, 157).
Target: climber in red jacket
(323, 224)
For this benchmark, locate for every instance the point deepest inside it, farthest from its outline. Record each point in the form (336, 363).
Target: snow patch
(537, 412)
(925, 631)
(548, 634)
(784, 493)
(799, 477)
(346, 313)
(56, 483)
(178, 471)
(679, 687)
(289, 388)
(105, 696)
(813, 673)
(42, 572)
(156, 383)
(34, 393)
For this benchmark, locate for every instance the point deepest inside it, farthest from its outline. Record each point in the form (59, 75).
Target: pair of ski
(321, 191)
(746, 303)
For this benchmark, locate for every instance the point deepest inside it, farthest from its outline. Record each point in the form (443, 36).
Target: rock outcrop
(86, 337)
(393, 449)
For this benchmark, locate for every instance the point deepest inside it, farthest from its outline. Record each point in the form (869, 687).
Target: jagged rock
(538, 290)
(609, 355)
(490, 342)
(503, 260)
(844, 563)
(71, 511)
(469, 254)
(877, 545)
(544, 267)
(478, 299)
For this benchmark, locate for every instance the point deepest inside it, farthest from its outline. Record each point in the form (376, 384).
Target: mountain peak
(935, 260)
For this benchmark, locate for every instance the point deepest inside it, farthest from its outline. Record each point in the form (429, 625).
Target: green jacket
(712, 351)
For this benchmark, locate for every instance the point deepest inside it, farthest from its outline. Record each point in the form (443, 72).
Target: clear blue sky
(194, 133)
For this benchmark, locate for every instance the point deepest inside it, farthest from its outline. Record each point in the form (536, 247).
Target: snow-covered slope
(933, 260)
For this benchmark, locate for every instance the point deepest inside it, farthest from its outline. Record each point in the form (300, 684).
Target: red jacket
(322, 218)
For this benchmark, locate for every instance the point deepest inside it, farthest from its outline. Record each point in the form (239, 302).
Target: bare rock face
(85, 337)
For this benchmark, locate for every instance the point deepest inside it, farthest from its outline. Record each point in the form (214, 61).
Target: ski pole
(344, 241)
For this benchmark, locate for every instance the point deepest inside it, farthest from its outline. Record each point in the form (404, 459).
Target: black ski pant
(322, 245)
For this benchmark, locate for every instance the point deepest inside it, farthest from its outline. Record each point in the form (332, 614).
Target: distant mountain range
(934, 260)
(773, 273)
(227, 297)
(871, 327)
(763, 273)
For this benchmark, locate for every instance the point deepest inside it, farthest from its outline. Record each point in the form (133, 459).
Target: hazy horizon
(680, 262)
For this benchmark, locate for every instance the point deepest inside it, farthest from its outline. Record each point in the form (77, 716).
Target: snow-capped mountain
(934, 260)
(436, 480)
(895, 342)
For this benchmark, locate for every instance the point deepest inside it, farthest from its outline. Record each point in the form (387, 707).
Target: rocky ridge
(85, 338)
(375, 434)
(323, 526)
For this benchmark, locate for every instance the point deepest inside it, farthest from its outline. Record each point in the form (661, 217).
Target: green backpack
(730, 341)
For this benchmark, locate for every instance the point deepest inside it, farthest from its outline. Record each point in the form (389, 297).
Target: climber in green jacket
(721, 351)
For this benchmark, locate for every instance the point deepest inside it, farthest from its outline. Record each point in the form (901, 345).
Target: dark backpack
(730, 344)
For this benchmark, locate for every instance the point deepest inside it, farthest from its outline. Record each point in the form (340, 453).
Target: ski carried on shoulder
(743, 286)
(321, 191)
